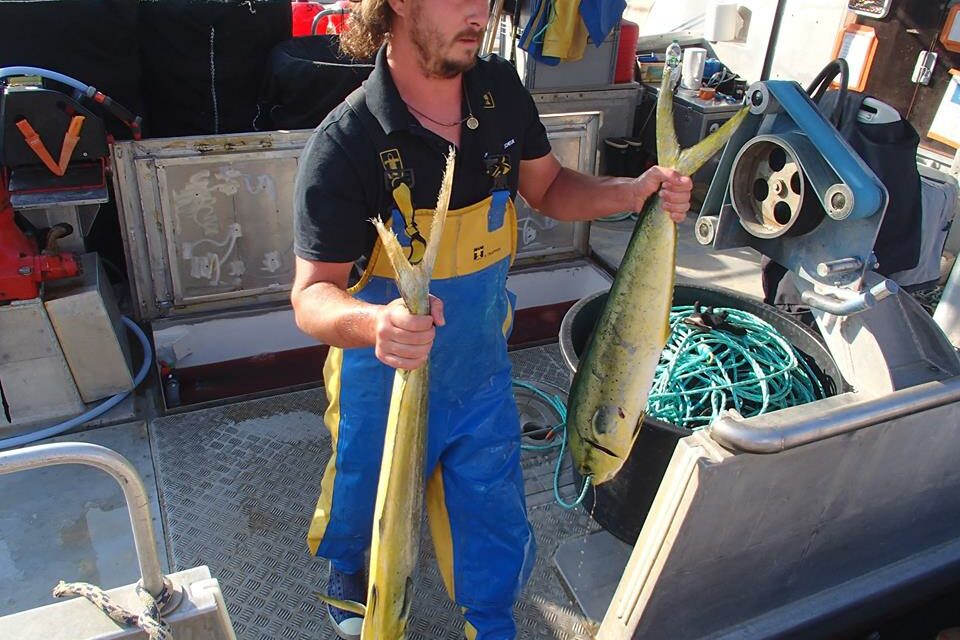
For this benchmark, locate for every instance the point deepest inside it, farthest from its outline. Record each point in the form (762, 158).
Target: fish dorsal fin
(346, 605)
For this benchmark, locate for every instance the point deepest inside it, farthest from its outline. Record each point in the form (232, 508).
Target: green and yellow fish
(608, 397)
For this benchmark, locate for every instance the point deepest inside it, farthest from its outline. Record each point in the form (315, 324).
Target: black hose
(822, 82)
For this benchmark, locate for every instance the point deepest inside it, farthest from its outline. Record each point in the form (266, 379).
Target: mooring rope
(150, 619)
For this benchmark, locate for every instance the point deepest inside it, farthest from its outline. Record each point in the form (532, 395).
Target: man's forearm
(334, 317)
(577, 196)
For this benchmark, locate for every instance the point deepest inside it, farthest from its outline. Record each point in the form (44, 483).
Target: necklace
(471, 120)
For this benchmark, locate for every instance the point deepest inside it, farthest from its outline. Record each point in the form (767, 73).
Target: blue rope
(559, 432)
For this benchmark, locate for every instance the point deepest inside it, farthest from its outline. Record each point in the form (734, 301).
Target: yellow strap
(404, 201)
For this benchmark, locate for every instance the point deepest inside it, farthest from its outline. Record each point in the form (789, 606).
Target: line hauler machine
(791, 187)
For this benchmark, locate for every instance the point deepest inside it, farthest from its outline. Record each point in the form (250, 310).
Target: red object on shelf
(627, 52)
(304, 12)
(22, 268)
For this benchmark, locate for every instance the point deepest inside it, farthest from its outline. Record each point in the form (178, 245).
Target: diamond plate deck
(238, 486)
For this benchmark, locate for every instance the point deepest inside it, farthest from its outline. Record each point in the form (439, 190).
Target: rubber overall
(475, 494)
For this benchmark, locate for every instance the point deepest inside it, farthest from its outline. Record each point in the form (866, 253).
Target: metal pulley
(770, 192)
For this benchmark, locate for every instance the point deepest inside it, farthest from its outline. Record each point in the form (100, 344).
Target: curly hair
(368, 27)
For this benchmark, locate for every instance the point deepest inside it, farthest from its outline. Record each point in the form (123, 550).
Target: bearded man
(382, 153)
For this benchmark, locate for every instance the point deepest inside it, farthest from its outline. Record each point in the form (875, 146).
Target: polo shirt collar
(385, 103)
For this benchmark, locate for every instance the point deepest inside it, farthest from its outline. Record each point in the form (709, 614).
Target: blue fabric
(474, 434)
(601, 17)
(532, 39)
(498, 209)
(399, 226)
(493, 546)
(512, 297)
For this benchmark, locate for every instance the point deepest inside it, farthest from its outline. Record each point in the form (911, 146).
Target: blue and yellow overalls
(475, 495)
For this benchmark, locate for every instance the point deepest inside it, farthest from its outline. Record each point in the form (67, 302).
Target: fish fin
(439, 214)
(393, 250)
(414, 281)
(346, 605)
(637, 427)
(696, 156)
(668, 149)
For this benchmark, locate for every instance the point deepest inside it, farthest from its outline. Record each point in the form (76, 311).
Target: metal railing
(120, 469)
(777, 436)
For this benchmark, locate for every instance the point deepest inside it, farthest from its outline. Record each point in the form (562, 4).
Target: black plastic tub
(621, 505)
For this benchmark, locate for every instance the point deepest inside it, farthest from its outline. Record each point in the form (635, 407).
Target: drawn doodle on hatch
(207, 266)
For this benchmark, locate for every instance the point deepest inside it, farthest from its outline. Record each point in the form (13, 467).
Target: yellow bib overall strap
(474, 238)
(404, 216)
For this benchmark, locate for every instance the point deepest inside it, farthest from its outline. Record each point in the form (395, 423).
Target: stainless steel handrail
(111, 462)
(755, 437)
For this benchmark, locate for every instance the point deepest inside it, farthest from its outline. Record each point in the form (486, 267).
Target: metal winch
(792, 188)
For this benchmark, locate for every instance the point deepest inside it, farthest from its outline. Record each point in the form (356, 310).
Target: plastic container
(620, 505)
(627, 52)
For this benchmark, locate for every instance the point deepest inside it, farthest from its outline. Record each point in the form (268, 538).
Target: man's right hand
(404, 340)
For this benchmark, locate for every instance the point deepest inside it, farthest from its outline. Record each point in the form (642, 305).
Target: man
(382, 153)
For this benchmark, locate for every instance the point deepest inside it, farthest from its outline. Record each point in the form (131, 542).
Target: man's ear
(399, 7)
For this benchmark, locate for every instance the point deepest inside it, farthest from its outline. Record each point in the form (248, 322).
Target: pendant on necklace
(472, 123)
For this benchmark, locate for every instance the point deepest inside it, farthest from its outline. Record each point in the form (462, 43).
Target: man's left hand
(673, 188)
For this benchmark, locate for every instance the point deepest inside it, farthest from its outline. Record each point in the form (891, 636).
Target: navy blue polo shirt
(341, 182)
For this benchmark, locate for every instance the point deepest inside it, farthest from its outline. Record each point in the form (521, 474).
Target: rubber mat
(238, 485)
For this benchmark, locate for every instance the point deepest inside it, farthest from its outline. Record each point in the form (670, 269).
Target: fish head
(602, 446)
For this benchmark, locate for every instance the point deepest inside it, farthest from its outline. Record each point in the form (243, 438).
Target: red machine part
(22, 268)
(304, 12)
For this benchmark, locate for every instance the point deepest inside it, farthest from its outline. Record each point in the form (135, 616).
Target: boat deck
(234, 486)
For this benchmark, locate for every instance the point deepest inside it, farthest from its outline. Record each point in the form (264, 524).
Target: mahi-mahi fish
(395, 545)
(608, 397)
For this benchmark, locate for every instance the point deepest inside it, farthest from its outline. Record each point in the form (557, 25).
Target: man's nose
(478, 14)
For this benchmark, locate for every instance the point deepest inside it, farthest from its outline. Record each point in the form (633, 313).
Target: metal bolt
(840, 266)
(838, 201)
(757, 98)
(779, 187)
(24, 271)
(706, 230)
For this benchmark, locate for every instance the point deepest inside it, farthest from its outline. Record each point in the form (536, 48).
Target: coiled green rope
(705, 371)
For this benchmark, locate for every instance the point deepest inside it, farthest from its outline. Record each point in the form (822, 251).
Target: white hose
(100, 409)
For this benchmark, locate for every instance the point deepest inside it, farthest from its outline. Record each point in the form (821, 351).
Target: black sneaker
(346, 586)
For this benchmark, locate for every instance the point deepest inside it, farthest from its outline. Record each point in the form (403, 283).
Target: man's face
(447, 34)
